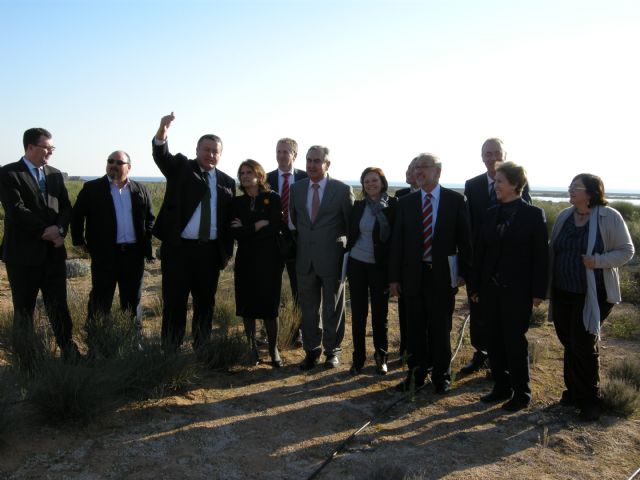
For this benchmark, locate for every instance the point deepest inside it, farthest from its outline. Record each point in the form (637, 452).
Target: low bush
(619, 397)
(538, 351)
(224, 350)
(630, 286)
(626, 370)
(77, 268)
(623, 322)
(539, 315)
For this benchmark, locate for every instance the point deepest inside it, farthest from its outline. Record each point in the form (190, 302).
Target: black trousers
(126, 272)
(25, 282)
(478, 328)
(189, 268)
(429, 329)
(581, 351)
(368, 280)
(293, 280)
(508, 312)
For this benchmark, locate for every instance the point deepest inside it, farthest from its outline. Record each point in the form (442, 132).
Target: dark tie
(427, 227)
(42, 184)
(492, 194)
(284, 197)
(205, 211)
(315, 201)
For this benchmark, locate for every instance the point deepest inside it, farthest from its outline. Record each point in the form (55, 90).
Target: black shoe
(309, 362)
(331, 361)
(355, 369)
(276, 363)
(515, 404)
(441, 388)
(381, 363)
(70, 353)
(567, 400)
(478, 361)
(497, 395)
(590, 412)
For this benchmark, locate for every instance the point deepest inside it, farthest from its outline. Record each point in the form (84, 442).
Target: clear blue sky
(375, 81)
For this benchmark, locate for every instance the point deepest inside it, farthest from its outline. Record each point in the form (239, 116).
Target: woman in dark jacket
(256, 222)
(370, 228)
(510, 277)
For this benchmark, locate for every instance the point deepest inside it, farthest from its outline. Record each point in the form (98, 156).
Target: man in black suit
(480, 194)
(281, 181)
(431, 226)
(119, 218)
(37, 214)
(194, 227)
(410, 178)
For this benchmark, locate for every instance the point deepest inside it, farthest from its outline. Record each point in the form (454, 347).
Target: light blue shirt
(33, 168)
(125, 232)
(193, 227)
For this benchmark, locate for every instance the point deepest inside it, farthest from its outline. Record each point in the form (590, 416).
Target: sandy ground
(256, 422)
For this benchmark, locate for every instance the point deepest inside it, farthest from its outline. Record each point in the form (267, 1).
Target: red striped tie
(427, 227)
(284, 198)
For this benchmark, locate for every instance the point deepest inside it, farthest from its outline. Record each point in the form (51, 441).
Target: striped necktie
(284, 197)
(42, 184)
(427, 228)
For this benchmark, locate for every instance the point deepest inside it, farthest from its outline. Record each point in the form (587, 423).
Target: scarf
(376, 208)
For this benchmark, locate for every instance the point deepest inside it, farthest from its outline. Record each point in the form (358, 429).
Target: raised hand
(165, 123)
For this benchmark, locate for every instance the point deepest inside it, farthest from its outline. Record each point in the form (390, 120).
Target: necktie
(42, 184)
(427, 227)
(205, 212)
(492, 194)
(284, 197)
(315, 201)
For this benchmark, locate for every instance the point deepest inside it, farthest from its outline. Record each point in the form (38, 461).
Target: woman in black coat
(370, 228)
(510, 277)
(257, 218)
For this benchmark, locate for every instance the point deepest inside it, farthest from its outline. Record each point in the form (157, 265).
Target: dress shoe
(381, 364)
(516, 404)
(497, 395)
(567, 400)
(70, 353)
(355, 369)
(478, 361)
(309, 362)
(331, 361)
(441, 388)
(590, 411)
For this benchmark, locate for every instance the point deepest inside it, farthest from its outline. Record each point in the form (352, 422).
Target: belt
(126, 247)
(427, 265)
(195, 241)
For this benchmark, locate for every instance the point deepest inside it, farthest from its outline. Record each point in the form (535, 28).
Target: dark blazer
(518, 260)
(402, 192)
(185, 188)
(272, 178)
(94, 206)
(451, 236)
(380, 248)
(26, 214)
(476, 192)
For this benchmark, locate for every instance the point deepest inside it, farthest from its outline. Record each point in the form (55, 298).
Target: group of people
(420, 245)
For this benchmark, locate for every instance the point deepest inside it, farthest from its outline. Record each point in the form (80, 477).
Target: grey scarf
(376, 208)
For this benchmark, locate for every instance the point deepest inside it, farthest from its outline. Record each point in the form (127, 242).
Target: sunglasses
(111, 161)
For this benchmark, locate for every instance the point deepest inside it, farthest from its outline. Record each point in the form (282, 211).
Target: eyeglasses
(111, 161)
(50, 148)
(573, 188)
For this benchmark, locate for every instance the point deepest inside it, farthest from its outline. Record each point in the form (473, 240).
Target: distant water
(553, 194)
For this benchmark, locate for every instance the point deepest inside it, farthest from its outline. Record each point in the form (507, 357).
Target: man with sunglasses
(112, 221)
(37, 213)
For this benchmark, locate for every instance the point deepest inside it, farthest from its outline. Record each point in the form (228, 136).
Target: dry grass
(623, 322)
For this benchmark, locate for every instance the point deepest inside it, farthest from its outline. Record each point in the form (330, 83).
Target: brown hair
(263, 186)
(291, 142)
(383, 178)
(594, 188)
(516, 175)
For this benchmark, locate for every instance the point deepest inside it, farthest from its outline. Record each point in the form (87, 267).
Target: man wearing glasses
(37, 213)
(112, 221)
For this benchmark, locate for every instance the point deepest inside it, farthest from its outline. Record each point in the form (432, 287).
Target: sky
(376, 81)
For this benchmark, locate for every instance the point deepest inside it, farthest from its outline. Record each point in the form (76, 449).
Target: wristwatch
(61, 231)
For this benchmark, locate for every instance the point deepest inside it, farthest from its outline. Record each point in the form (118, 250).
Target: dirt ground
(256, 422)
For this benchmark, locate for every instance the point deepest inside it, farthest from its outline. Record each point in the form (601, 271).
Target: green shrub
(224, 350)
(626, 370)
(619, 397)
(551, 211)
(112, 335)
(538, 351)
(630, 286)
(77, 268)
(539, 315)
(224, 314)
(623, 322)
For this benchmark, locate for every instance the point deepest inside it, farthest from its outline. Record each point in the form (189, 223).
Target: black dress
(258, 265)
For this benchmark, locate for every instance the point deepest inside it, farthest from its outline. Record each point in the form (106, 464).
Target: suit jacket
(476, 192)
(451, 236)
(94, 206)
(27, 214)
(380, 248)
(321, 244)
(402, 192)
(272, 178)
(519, 260)
(185, 189)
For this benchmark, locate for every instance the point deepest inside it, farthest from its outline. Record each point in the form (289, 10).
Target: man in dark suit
(194, 227)
(431, 226)
(480, 194)
(119, 218)
(410, 178)
(320, 207)
(37, 214)
(281, 180)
